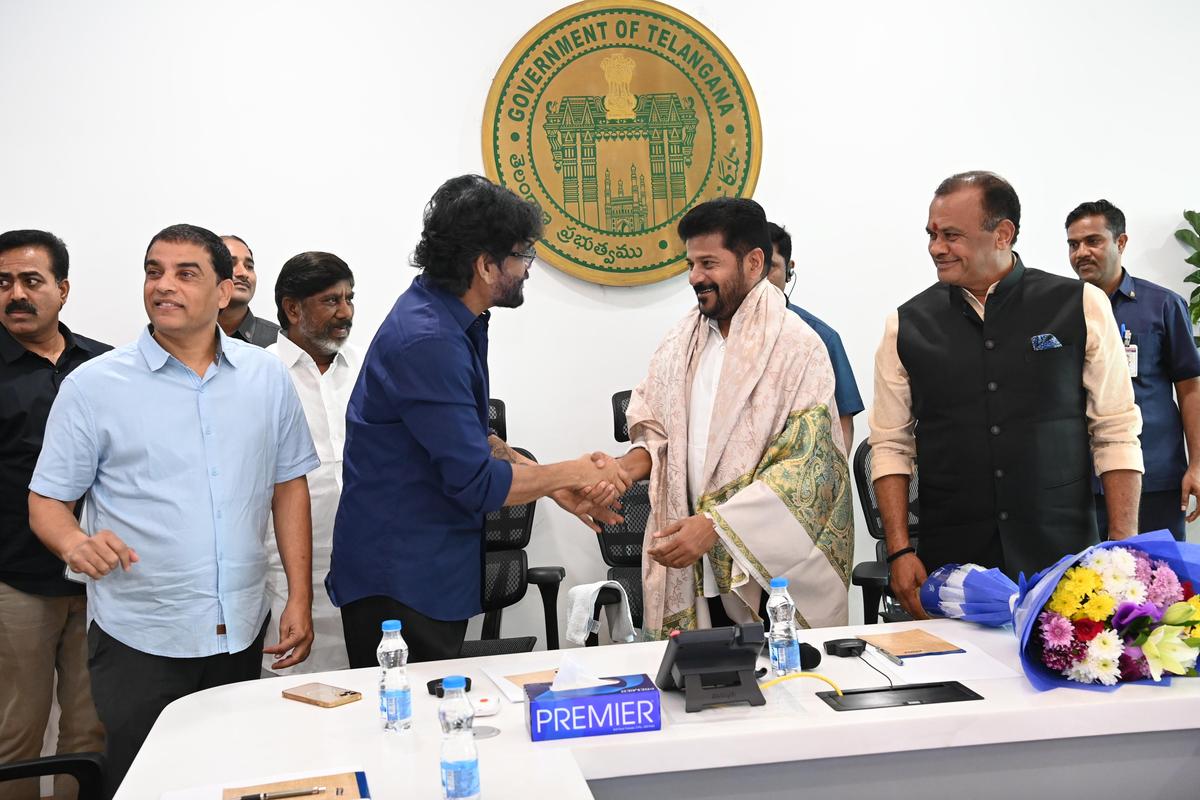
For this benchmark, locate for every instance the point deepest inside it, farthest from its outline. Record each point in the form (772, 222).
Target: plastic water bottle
(395, 696)
(785, 647)
(460, 759)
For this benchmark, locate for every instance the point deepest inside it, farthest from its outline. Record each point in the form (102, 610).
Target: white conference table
(1138, 741)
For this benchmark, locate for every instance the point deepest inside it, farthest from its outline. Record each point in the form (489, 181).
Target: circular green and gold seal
(616, 118)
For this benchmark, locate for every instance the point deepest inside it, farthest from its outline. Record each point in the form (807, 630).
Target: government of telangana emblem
(615, 118)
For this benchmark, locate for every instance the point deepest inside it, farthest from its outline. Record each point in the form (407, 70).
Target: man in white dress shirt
(736, 427)
(314, 296)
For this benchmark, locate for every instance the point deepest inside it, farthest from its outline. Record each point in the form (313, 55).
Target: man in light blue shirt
(185, 439)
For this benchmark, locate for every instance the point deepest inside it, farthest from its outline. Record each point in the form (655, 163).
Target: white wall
(307, 125)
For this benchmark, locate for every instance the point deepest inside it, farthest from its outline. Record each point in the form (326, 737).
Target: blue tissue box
(629, 703)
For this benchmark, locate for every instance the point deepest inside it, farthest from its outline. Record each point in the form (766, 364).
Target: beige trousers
(40, 636)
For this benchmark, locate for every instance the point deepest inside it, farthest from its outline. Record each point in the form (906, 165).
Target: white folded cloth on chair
(581, 603)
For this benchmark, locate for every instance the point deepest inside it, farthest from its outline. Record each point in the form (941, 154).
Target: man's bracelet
(901, 552)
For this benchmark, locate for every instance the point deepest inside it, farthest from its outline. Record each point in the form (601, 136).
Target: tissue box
(627, 704)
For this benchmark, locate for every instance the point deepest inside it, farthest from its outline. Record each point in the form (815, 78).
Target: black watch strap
(901, 552)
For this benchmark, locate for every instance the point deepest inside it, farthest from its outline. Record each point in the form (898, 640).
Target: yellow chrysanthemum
(1063, 603)
(1099, 606)
(1088, 580)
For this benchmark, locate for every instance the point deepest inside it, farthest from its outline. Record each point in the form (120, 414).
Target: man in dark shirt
(42, 614)
(849, 401)
(235, 319)
(419, 474)
(1157, 333)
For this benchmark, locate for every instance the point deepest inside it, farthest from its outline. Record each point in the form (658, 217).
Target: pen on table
(282, 794)
(889, 656)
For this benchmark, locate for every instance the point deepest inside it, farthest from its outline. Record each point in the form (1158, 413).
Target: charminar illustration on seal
(616, 118)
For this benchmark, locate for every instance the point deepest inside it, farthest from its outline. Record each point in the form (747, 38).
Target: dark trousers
(1156, 511)
(131, 689)
(720, 617)
(428, 639)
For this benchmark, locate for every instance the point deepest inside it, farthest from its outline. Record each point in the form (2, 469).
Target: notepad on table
(910, 643)
(339, 785)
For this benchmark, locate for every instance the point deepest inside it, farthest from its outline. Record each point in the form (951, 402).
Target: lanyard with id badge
(1131, 351)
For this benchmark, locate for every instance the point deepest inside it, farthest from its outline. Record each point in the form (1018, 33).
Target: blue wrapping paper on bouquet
(988, 597)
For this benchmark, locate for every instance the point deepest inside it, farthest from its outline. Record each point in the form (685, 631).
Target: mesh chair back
(496, 418)
(510, 527)
(503, 578)
(621, 544)
(870, 504)
(630, 579)
(620, 402)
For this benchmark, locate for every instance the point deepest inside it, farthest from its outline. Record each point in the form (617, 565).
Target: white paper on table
(783, 700)
(971, 664)
(511, 691)
(213, 791)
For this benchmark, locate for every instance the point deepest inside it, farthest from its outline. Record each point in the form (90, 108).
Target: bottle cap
(390, 625)
(779, 583)
(454, 682)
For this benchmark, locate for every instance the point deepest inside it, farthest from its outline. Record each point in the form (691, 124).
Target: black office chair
(506, 571)
(86, 768)
(621, 544)
(620, 402)
(497, 418)
(873, 577)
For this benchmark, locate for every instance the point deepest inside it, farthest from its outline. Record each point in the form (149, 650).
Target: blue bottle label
(397, 704)
(785, 656)
(460, 779)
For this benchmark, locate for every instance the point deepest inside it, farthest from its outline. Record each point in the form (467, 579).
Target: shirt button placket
(214, 488)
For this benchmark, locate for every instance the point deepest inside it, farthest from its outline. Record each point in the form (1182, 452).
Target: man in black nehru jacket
(998, 382)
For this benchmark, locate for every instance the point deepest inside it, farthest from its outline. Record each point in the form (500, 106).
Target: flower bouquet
(1118, 612)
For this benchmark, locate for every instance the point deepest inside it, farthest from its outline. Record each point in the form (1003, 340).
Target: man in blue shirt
(184, 441)
(1157, 330)
(846, 395)
(419, 471)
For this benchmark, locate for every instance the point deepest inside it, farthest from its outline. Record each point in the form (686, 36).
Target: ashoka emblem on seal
(616, 118)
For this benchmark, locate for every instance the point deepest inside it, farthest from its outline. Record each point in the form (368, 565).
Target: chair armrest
(86, 768)
(870, 573)
(543, 575)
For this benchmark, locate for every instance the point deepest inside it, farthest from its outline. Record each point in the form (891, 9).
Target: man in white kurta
(735, 427)
(315, 298)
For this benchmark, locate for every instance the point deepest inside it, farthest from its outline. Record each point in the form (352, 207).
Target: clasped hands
(599, 482)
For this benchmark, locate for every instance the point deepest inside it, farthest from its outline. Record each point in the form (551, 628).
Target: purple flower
(1061, 658)
(1164, 588)
(1142, 568)
(1133, 664)
(1127, 612)
(1057, 630)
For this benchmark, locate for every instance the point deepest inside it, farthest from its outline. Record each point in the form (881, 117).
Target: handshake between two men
(590, 487)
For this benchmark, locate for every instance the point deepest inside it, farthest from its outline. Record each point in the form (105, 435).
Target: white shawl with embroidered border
(776, 479)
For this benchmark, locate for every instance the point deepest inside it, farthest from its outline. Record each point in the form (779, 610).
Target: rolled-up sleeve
(430, 382)
(1114, 420)
(70, 456)
(893, 444)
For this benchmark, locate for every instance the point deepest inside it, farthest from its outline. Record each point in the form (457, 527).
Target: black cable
(877, 669)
